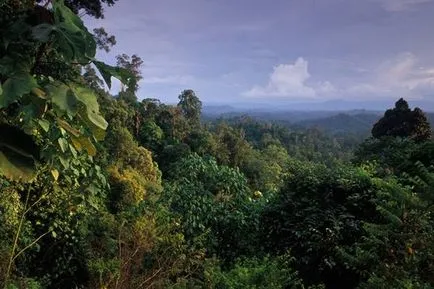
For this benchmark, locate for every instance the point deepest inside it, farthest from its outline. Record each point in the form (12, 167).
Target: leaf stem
(17, 235)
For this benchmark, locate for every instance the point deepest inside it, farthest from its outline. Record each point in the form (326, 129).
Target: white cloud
(326, 88)
(400, 5)
(291, 81)
(400, 76)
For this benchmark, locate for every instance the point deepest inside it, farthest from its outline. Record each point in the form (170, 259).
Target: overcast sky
(259, 50)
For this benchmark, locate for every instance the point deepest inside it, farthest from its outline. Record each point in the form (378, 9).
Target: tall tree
(133, 65)
(103, 40)
(401, 121)
(191, 105)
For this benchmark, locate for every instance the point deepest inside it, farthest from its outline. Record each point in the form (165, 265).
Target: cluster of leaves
(56, 112)
(214, 201)
(319, 210)
(256, 273)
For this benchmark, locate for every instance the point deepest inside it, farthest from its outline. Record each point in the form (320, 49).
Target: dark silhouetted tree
(401, 121)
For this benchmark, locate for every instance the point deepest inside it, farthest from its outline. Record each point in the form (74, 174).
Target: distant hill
(214, 110)
(359, 123)
(335, 122)
(344, 123)
(284, 116)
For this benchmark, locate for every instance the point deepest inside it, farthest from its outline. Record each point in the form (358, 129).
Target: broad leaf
(17, 168)
(83, 142)
(107, 72)
(63, 143)
(72, 37)
(98, 133)
(63, 98)
(72, 45)
(66, 126)
(15, 87)
(76, 143)
(44, 124)
(64, 162)
(39, 93)
(33, 109)
(63, 14)
(55, 174)
(91, 113)
(17, 154)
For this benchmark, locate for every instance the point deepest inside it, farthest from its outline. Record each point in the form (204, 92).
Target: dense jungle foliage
(109, 191)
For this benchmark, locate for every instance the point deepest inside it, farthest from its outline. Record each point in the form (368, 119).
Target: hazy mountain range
(332, 105)
(336, 120)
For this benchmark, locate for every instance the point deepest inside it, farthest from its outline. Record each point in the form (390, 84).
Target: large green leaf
(45, 124)
(32, 107)
(75, 100)
(91, 112)
(63, 144)
(65, 15)
(17, 154)
(17, 168)
(108, 72)
(72, 42)
(72, 45)
(15, 87)
(63, 98)
(72, 37)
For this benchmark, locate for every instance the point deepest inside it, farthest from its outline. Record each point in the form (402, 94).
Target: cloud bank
(291, 81)
(400, 76)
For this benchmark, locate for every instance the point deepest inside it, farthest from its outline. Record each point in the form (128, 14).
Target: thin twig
(31, 244)
(37, 201)
(150, 278)
(17, 235)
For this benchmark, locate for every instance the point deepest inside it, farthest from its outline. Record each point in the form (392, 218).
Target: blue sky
(278, 50)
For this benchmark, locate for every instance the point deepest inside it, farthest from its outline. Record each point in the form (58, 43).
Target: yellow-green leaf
(66, 126)
(83, 142)
(76, 143)
(44, 124)
(63, 143)
(17, 168)
(39, 92)
(55, 174)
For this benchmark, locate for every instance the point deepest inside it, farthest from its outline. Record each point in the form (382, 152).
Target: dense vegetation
(109, 191)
